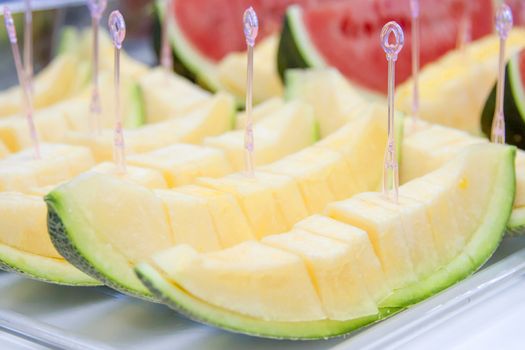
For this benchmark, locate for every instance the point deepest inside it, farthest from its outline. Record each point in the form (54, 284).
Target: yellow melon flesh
(65, 69)
(361, 250)
(20, 171)
(419, 234)
(269, 202)
(338, 281)
(251, 278)
(211, 118)
(260, 111)
(160, 90)
(232, 70)
(386, 233)
(285, 131)
(181, 164)
(23, 219)
(149, 178)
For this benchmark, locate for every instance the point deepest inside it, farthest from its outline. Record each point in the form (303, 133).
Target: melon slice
(167, 95)
(266, 204)
(182, 164)
(453, 89)
(327, 91)
(285, 131)
(339, 284)
(65, 68)
(3, 150)
(260, 111)
(20, 171)
(361, 249)
(189, 282)
(213, 117)
(232, 70)
(427, 147)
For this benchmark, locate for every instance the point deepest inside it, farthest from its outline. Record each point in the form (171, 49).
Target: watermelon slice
(346, 35)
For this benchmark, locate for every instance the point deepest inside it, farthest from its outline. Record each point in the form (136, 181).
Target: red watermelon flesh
(215, 29)
(347, 34)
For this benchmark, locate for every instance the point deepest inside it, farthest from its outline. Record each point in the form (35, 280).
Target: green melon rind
(188, 61)
(479, 249)
(513, 106)
(69, 235)
(200, 311)
(43, 268)
(137, 112)
(295, 45)
(516, 225)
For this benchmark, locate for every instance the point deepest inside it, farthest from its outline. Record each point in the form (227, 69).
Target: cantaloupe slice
(289, 129)
(183, 279)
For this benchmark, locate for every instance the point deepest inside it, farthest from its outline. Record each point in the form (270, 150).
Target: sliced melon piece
(66, 69)
(490, 197)
(181, 163)
(206, 219)
(285, 131)
(143, 176)
(270, 202)
(327, 91)
(3, 150)
(339, 284)
(260, 111)
(142, 228)
(258, 276)
(231, 72)
(453, 89)
(20, 171)
(167, 95)
(213, 117)
(361, 249)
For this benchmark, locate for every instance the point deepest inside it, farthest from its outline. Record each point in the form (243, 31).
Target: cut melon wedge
(213, 117)
(167, 95)
(189, 282)
(260, 111)
(283, 132)
(453, 89)
(267, 204)
(66, 69)
(428, 146)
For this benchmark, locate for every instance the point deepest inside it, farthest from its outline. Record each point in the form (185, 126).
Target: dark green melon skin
(288, 54)
(61, 239)
(514, 121)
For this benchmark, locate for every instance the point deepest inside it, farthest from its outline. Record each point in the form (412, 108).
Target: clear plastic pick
(166, 60)
(22, 79)
(251, 28)
(117, 29)
(392, 40)
(503, 22)
(464, 31)
(28, 44)
(96, 8)
(414, 9)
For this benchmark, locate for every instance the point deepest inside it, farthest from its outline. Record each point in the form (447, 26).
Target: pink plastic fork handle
(10, 25)
(97, 7)
(117, 28)
(414, 8)
(392, 48)
(251, 26)
(503, 21)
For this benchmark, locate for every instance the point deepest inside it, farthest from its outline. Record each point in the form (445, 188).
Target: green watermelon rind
(296, 49)
(513, 106)
(188, 61)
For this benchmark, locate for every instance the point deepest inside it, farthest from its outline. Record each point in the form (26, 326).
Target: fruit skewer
(28, 44)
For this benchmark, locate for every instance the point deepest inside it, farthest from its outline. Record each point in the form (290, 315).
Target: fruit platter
(300, 174)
